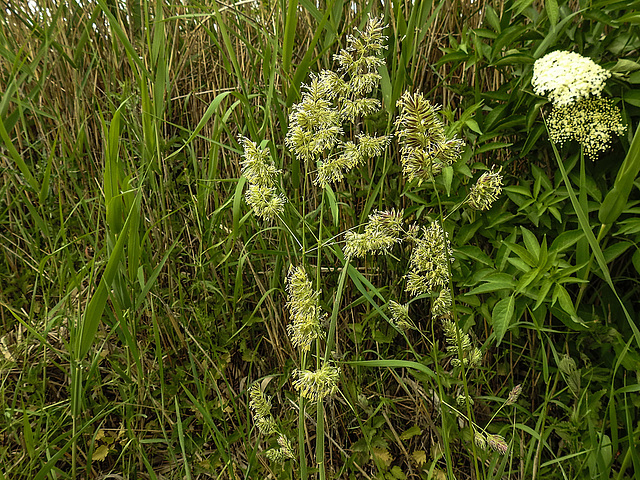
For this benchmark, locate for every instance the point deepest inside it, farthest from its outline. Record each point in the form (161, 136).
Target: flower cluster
(259, 170)
(400, 315)
(514, 394)
(425, 146)
(260, 406)
(442, 304)
(283, 453)
(592, 122)
(568, 77)
(485, 191)
(380, 234)
(574, 84)
(316, 385)
(315, 124)
(459, 343)
(306, 314)
(429, 262)
(333, 169)
(495, 442)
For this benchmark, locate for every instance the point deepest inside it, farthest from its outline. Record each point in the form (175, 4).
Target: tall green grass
(138, 299)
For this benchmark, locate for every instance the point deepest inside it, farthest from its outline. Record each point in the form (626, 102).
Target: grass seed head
(485, 191)
(316, 385)
(381, 233)
(428, 265)
(306, 314)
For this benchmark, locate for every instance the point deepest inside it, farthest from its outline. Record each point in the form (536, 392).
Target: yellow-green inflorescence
(400, 315)
(429, 262)
(306, 314)
(459, 343)
(315, 134)
(442, 304)
(260, 406)
(315, 385)
(485, 191)
(380, 234)
(259, 170)
(283, 453)
(426, 150)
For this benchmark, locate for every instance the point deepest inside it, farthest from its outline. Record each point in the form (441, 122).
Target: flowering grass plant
(332, 105)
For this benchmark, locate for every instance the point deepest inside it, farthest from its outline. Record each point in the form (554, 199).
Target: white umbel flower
(567, 77)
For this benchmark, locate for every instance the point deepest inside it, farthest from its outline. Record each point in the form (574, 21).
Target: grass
(139, 299)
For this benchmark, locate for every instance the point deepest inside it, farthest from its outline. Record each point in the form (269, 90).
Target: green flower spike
(428, 269)
(316, 385)
(260, 406)
(380, 235)
(306, 314)
(486, 190)
(425, 147)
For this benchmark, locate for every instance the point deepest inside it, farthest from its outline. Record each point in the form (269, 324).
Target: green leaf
(562, 296)
(501, 317)
(93, 313)
(565, 240)
(410, 433)
(492, 18)
(447, 178)
(551, 6)
(394, 364)
(633, 17)
(494, 285)
(632, 98)
(473, 125)
(583, 220)
(524, 254)
(616, 200)
(624, 66)
(531, 242)
(614, 251)
(333, 204)
(473, 252)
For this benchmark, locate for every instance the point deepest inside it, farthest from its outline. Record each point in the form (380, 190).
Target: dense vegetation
(146, 311)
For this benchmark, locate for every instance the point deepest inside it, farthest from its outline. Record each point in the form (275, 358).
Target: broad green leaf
(492, 18)
(616, 200)
(410, 433)
(501, 317)
(473, 252)
(447, 178)
(492, 286)
(633, 18)
(623, 66)
(531, 242)
(562, 296)
(93, 313)
(614, 251)
(542, 293)
(524, 254)
(526, 279)
(566, 240)
(593, 242)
